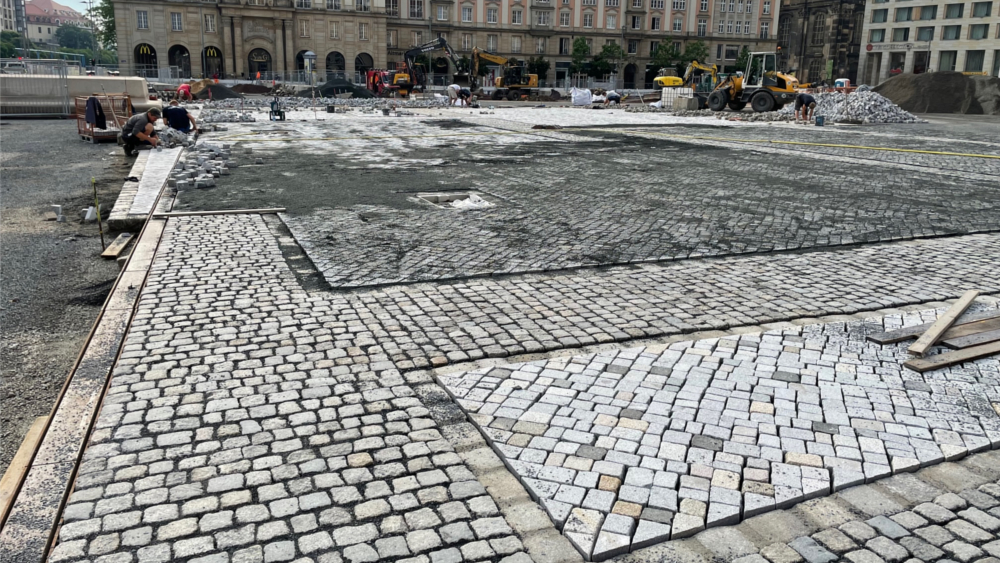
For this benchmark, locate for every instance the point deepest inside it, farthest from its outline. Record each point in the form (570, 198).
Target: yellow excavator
(762, 86)
(514, 81)
(667, 78)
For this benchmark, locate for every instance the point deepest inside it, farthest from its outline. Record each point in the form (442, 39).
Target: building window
(928, 13)
(815, 70)
(636, 22)
(678, 24)
(904, 14)
(702, 28)
(951, 32)
(588, 20)
(739, 7)
(974, 61)
(417, 9)
(543, 18)
(466, 14)
(732, 52)
(703, 6)
(333, 4)
(947, 60)
(718, 52)
(611, 22)
(901, 34)
(564, 19)
(729, 26)
(880, 16)
(303, 28)
(784, 30)
(637, 3)
(564, 45)
(515, 44)
(466, 41)
(517, 17)
(491, 42)
(819, 29)
(633, 46)
(589, 2)
(767, 7)
(303, 3)
(765, 30)
(925, 34)
(540, 45)
(362, 5)
(391, 7)
(978, 31)
(655, 24)
(653, 47)
(363, 32)
(655, 4)
(954, 11)
(876, 36)
(611, 3)
(442, 14)
(680, 5)
(391, 38)
(176, 21)
(491, 15)
(981, 10)
(141, 20)
(732, 6)
(722, 28)
(209, 23)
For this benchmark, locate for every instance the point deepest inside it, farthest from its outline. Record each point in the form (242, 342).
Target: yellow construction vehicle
(762, 86)
(667, 78)
(514, 81)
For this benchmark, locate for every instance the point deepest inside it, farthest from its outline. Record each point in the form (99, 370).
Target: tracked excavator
(409, 76)
(514, 81)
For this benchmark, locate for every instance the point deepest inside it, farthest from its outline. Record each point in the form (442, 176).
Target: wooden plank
(944, 322)
(901, 334)
(951, 358)
(976, 339)
(968, 329)
(19, 465)
(117, 246)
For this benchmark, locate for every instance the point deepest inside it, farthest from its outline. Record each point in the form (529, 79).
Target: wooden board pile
(970, 336)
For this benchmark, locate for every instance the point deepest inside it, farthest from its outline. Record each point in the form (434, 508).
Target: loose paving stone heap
(245, 423)
(291, 103)
(201, 166)
(864, 107)
(628, 448)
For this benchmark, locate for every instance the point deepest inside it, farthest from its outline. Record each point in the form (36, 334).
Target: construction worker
(178, 118)
(184, 92)
(806, 106)
(453, 93)
(140, 130)
(466, 96)
(614, 97)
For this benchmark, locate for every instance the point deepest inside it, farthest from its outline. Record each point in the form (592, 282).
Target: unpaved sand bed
(943, 92)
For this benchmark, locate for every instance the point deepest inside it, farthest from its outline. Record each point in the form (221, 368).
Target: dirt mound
(943, 92)
(332, 88)
(218, 92)
(251, 89)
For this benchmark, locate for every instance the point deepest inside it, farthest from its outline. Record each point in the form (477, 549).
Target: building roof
(53, 10)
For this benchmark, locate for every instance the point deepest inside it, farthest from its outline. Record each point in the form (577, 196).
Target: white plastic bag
(581, 96)
(471, 202)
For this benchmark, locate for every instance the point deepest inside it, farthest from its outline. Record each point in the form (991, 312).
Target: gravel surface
(52, 280)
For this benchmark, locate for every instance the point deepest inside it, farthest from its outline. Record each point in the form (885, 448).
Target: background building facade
(908, 36)
(821, 39)
(238, 38)
(44, 17)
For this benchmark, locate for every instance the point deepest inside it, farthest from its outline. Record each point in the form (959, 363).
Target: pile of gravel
(859, 107)
(201, 166)
(225, 116)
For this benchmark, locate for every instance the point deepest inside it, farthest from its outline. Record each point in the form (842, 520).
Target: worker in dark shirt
(178, 118)
(806, 106)
(140, 130)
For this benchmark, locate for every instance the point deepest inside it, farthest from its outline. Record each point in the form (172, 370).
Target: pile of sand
(943, 92)
(251, 89)
(219, 92)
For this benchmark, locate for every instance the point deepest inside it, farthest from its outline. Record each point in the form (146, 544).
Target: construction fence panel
(43, 93)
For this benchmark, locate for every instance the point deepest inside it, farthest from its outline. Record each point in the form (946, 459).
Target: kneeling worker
(139, 130)
(806, 106)
(466, 96)
(178, 118)
(613, 97)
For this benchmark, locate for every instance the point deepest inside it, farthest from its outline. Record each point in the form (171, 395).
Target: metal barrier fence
(39, 94)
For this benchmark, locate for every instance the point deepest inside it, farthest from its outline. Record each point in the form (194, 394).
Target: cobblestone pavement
(647, 195)
(949, 512)
(630, 447)
(249, 420)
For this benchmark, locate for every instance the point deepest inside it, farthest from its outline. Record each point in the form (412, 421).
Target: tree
(666, 55)
(104, 16)
(580, 53)
(608, 61)
(7, 50)
(695, 51)
(743, 59)
(539, 66)
(72, 36)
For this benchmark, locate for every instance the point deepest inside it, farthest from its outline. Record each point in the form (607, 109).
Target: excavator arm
(411, 54)
(485, 55)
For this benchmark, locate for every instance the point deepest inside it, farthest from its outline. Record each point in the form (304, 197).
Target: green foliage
(74, 37)
(666, 55)
(607, 61)
(580, 53)
(104, 16)
(695, 51)
(743, 59)
(7, 50)
(539, 66)
(464, 64)
(12, 37)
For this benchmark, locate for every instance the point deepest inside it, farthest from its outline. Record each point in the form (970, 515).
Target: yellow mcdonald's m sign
(211, 52)
(145, 49)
